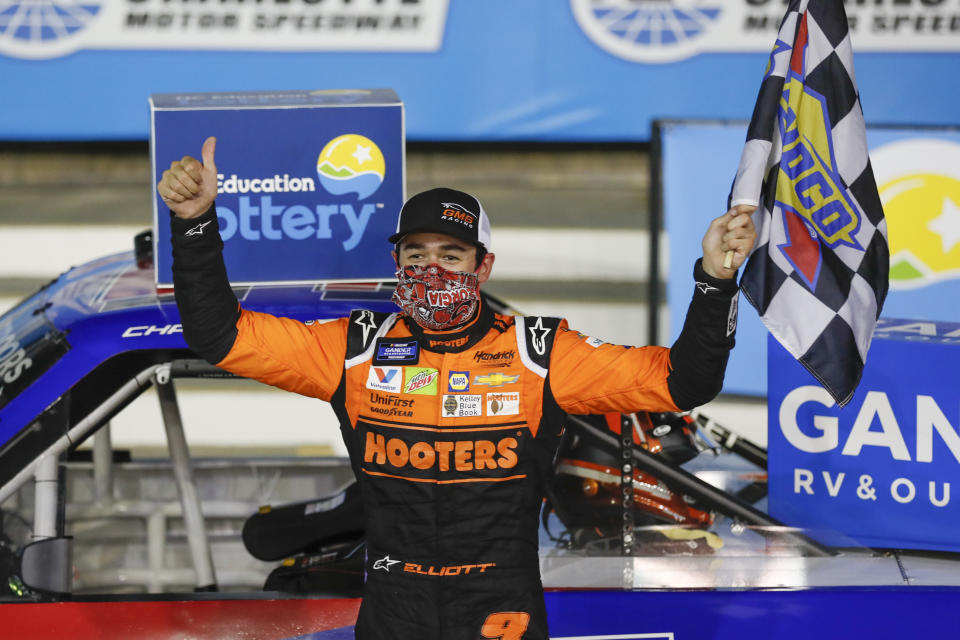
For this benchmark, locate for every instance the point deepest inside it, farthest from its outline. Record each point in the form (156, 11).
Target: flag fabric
(818, 274)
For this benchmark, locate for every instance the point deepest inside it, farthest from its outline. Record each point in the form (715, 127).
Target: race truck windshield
(29, 346)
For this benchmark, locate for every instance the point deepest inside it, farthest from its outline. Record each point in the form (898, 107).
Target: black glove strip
(699, 356)
(208, 307)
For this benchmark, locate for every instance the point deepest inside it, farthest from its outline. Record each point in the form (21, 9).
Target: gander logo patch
(396, 352)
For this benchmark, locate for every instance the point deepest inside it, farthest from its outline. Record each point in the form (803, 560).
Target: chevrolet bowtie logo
(495, 379)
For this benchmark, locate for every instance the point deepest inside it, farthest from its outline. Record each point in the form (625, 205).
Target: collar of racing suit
(460, 338)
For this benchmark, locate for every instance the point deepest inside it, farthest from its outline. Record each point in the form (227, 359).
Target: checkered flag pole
(818, 274)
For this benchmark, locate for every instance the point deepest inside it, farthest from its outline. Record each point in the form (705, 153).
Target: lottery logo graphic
(919, 184)
(351, 163)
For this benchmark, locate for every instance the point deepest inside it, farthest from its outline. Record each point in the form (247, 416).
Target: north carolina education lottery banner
(309, 182)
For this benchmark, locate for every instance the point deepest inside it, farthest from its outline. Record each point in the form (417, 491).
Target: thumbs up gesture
(189, 186)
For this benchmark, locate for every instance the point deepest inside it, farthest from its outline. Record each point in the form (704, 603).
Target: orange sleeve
(291, 355)
(591, 376)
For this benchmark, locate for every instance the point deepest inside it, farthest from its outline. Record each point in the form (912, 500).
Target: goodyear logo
(919, 184)
(808, 184)
(351, 163)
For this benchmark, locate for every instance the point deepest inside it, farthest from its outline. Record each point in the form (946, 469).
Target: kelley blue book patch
(396, 352)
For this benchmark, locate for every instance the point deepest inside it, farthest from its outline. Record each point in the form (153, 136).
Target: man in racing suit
(451, 413)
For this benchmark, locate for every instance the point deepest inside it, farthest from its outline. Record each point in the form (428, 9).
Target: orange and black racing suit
(452, 436)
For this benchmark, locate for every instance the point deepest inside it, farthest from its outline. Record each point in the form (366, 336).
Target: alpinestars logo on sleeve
(197, 230)
(705, 288)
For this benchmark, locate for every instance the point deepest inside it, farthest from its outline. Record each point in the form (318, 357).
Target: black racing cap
(447, 211)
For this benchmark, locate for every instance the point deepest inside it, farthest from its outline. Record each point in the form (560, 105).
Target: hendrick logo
(500, 356)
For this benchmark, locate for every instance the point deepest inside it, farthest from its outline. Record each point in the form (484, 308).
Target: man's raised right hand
(189, 187)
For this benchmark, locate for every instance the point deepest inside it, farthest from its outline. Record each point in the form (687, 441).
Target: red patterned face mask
(436, 298)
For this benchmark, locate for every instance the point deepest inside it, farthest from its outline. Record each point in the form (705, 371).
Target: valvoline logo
(351, 163)
(919, 184)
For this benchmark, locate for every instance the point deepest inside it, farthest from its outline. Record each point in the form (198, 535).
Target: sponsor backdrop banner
(309, 182)
(491, 70)
(918, 177)
(881, 472)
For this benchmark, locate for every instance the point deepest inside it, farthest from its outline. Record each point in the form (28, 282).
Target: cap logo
(455, 213)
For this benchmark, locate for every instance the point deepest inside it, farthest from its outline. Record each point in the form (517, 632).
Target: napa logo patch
(919, 184)
(420, 381)
(351, 163)
(664, 31)
(458, 381)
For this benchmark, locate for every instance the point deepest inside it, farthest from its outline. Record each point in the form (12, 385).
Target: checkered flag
(818, 273)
